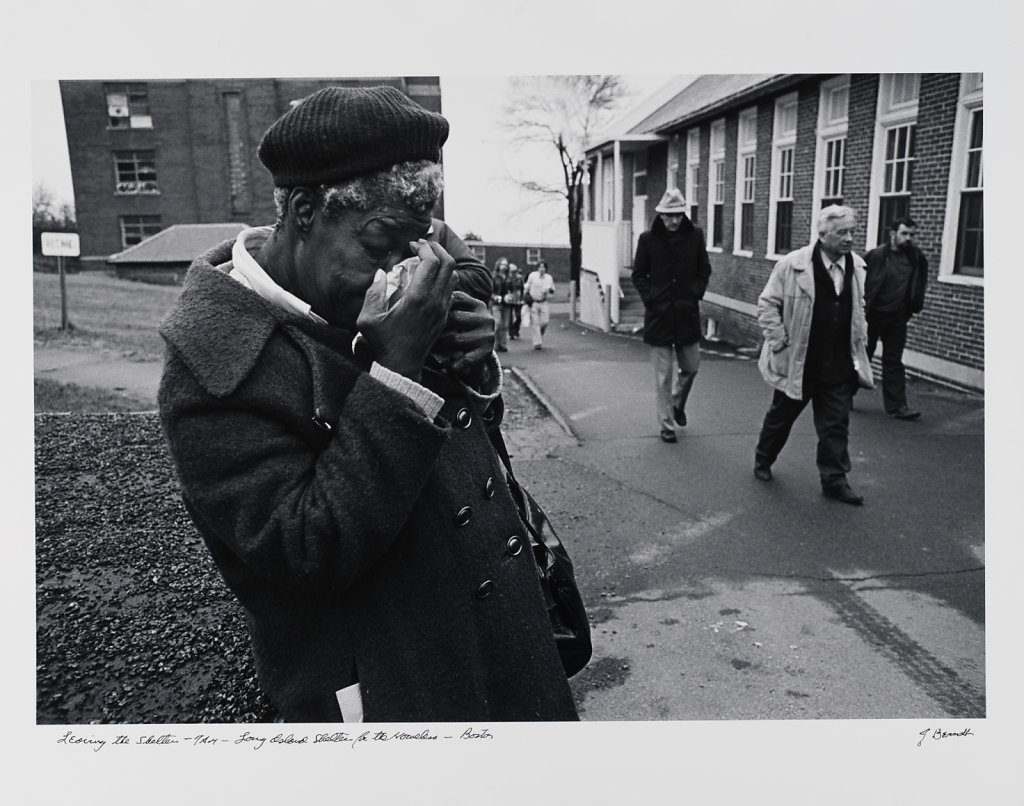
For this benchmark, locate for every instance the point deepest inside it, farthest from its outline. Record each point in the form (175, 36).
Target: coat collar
(219, 327)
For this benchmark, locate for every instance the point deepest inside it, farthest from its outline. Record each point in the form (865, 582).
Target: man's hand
(400, 337)
(467, 339)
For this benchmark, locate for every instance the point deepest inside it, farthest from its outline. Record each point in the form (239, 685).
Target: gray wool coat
(365, 542)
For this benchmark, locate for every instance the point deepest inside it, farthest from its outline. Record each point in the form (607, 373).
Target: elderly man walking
(811, 313)
(670, 272)
(328, 404)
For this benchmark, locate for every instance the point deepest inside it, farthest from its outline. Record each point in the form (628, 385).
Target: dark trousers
(894, 375)
(831, 406)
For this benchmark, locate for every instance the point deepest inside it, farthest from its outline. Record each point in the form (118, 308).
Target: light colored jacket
(784, 312)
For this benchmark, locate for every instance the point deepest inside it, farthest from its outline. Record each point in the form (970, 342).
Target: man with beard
(893, 292)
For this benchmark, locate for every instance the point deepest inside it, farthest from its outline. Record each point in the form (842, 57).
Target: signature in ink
(937, 733)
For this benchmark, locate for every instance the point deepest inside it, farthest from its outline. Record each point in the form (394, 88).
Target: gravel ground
(134, 624)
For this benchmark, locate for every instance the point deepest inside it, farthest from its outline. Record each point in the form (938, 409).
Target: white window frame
(693, 171)
(833, 125)
(972, 96)
(533, 256)
(782, 138)
(479, 252)
(716, 159)
(746, 148)
(890, 114)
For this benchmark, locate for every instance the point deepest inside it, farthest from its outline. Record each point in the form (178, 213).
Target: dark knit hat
(340, 132)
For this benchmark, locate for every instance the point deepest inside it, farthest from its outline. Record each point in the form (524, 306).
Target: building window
(747, 213)
(970, 237)
(640, 174)
(608, 189)
(893, 155)
(672, 164)
(128, 106)
(962, 258)
(716, 172)
(783, 172)
(693, 174)
(532, 255)
(136, 228)
(135, 172)
(898, 172)
(830, 151)
(479, 252)
(784, 203)
(835, 168)
(746, 166)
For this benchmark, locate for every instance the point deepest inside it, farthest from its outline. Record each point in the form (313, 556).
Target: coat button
(463, 418)
(485, 589)
(514, 545)
(489, 487)
(463, 516)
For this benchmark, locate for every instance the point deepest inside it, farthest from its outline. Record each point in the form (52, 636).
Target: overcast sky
(481, 195)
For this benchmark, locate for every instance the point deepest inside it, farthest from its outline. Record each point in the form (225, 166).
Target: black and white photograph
(632, 426)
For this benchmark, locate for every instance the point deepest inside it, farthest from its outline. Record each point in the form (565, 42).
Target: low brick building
(757, 155)
(526, 257)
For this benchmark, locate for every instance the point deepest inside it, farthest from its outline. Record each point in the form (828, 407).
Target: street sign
(63, 244)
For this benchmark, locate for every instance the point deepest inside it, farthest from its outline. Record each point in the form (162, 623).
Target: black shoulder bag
(557, 580)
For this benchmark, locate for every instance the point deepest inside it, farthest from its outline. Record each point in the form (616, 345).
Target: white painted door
(639, 221)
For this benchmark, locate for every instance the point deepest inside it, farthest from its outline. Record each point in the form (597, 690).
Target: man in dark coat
(671, 272)
(328, 405)
(897, 273)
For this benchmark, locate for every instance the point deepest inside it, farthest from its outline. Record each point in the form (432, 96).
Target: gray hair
(417, 185)
(831, 213)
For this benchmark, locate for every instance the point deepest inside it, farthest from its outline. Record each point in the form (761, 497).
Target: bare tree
(564, 112)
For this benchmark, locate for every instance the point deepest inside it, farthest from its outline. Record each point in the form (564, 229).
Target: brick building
(757, 155)
(146, 155)
(526, 257)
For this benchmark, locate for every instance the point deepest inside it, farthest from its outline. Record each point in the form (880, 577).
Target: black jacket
(671, 273)
(877, 268)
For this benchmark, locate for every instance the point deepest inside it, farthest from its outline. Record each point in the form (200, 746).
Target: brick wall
(190, 140)
(951, 327)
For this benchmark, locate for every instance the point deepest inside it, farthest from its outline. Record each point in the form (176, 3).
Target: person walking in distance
(671, 272)
(538, 289)
(897, 273)
(811, 313)
(499, 310)
(515, 298)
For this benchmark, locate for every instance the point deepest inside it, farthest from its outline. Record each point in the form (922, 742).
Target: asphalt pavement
(715, 596)
(718, 596)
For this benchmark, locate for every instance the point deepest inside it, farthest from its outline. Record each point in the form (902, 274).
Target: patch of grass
(51, 396)
(106, 313)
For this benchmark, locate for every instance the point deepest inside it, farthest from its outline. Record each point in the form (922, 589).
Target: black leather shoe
(842, 492)
(679, 415)
(668, 435)
(763, 472)
(905, 413)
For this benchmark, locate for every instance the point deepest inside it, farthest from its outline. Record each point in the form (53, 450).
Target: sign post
(61, 244)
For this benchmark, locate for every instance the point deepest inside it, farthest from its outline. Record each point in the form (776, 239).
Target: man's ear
(302, 207)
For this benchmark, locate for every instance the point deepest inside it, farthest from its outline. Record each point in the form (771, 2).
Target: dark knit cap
(340, 132)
